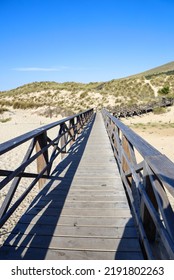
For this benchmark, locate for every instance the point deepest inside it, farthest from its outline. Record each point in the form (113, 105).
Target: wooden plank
(92, 171)
(82, 198)
(98, 181)
(80, 212)
(73, 243)
(84, 193)
(77, 231)
(96, 175)
(52, 254)
(78, 221)
(88, 187)
(83, 204)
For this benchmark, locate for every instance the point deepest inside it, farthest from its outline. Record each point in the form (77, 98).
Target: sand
(158, 130)
(20, 123)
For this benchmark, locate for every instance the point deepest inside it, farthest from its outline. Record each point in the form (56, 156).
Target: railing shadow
(158, 236)
(46, 208)
(129, 247)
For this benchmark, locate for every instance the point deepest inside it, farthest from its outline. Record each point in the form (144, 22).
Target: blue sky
(82, 40)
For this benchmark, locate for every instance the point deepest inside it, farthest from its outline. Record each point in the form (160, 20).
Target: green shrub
(83, 94)
(26, 105)
(5, 120)
(3, 109)
(164, 91)
(159, 110)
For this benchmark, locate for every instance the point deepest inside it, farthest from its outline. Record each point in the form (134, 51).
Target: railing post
(62, 141)
(72, 132)
(79, 125)
(147, 220)
(125, 146)
(42, 160)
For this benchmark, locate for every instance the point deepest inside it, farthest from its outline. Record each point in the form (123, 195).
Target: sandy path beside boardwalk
(158, 130)
(21, 122)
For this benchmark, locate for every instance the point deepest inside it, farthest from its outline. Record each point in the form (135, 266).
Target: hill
(167, 68)
(70, 97)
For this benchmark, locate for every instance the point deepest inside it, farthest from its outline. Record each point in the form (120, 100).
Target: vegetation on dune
(3, 109)
(163, 91)
(159, 110)
(151, 125)
(4, 120)
(139, 89)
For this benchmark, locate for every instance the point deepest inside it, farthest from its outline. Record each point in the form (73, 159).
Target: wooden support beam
(72, 132)
(42, 160)
(62, 141)
(147, 220)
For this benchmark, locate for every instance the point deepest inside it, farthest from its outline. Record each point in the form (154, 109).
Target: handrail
(146, 184)
(39, 150)
(8, 145)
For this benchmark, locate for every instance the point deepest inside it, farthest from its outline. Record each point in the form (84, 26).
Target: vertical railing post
(125, 146)
(62, 141)
(147, 220)
(72, 132)
(42, 159)
(79, 124)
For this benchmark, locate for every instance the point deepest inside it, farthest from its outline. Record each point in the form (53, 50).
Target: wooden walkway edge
(83, 212)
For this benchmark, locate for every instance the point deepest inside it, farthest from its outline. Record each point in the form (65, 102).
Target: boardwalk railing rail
(125, 111)
(43, 150)
(148, 184)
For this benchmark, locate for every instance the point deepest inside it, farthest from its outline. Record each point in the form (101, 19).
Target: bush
(3, 109)
(159, 110)
(26, 105)
(5, 120)
(165, 90)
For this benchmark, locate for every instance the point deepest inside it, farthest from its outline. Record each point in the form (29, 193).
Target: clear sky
(82, 40)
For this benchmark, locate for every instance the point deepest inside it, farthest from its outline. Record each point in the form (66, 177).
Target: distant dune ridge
(165, 68)
(70, 97)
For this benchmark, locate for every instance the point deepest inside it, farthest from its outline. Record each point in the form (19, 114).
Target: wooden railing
(147, 185)
(43, 150)
(136, 110)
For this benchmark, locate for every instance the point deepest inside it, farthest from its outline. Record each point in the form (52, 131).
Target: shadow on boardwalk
(44, 207)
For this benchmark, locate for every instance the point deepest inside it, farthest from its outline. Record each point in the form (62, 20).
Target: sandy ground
(20, 123)
(158, 130)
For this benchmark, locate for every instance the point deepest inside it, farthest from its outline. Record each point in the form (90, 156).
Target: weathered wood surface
(81, 213)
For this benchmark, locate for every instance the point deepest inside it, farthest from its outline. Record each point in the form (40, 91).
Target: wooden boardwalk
(82, 212)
